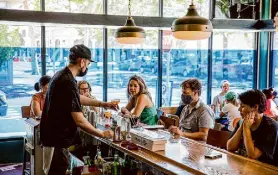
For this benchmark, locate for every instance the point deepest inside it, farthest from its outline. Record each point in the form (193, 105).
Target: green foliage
(10, 38)
(223, 5)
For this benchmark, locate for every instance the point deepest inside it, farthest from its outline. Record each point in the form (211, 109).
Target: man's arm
(252, 151)
(86, 101)
(81, 121)
(201, 135)
(234, 142)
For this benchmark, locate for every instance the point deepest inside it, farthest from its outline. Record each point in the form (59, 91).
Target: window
(18, 69)
(275, 61)
(75, 6)
(138, 8)
(60, 40)
(182, 60)
(127, 60)
(20, 5)
(243, 9)
(177, 8)
(233, 55)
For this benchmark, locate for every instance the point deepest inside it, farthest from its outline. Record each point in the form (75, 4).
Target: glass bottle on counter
(98, 161)
(116, 165)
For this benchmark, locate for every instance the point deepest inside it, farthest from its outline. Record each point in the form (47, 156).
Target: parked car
(130, 65)
(184, 68)
(3, 104)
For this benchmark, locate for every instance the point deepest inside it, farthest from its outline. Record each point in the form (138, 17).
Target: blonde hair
(143, 87)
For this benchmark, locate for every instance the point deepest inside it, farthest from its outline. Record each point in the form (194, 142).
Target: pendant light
(130, 33)
(191, 26)
(276, 21)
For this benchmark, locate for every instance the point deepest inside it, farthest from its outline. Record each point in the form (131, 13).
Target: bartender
(62, 112)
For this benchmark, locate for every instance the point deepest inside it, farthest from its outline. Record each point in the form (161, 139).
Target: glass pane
(127, 60)
(20, 5)
(233, 55)
(59, 40)
(138, 8)
(19, 70)
(182, 60)
(178, 8)
(241, 9)
(75, 6)
(275, 61)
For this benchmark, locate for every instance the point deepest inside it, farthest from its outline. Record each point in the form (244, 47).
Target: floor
(11, 169)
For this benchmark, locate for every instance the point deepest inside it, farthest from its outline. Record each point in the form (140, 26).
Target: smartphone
(213, 155)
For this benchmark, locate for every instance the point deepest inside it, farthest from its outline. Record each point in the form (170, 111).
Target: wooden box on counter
(146, 140)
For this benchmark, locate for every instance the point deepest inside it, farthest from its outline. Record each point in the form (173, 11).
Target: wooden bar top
(188, 157)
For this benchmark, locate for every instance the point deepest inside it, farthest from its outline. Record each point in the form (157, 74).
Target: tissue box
(149, 140)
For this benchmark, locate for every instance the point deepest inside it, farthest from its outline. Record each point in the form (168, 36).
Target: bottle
(116, 165)
(98, 161)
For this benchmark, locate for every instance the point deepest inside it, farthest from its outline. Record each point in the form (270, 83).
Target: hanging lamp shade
(130, 33)
(191, 26)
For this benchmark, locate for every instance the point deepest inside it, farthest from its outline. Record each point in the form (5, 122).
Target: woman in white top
(231, 110)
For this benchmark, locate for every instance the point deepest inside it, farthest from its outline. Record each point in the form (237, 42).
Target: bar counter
(188, 157)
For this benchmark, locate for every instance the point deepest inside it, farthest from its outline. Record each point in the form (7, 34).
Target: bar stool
(26, 157)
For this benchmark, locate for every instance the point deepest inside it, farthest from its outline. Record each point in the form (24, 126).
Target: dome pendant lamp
(191, 26)
(130, 33)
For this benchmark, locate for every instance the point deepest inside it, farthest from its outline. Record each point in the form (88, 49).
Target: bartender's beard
(81, 73)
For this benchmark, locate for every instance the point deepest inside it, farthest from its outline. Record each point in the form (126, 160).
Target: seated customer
(140, 103)
(218, 100)
(271, 110)
(256, 136)
(85, 89)
(196, 117)
(37, 101)
(230, 110)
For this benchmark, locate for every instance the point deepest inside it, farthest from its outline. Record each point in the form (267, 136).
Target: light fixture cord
(129, 8)
(192, 2)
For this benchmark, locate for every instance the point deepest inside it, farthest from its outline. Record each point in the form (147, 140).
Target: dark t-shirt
(265, 138)
(57, 126)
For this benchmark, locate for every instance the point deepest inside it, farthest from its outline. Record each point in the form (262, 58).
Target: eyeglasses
(84, 89)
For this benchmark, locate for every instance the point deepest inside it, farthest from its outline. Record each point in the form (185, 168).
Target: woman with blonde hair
(140, 103)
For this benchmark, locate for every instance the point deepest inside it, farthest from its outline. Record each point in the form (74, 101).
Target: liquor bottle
(116, 165)
(125, 168)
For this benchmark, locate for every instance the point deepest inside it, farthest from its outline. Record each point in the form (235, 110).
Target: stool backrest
(167, 121)
(25, 111)
(218, 138)
(169, 110)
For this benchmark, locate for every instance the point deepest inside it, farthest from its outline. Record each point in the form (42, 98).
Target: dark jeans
(60, 162)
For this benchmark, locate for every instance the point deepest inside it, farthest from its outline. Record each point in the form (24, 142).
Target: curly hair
(142, 84)
(254, 97)
(194, 85)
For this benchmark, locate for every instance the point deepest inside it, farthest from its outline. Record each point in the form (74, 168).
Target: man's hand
(109, 105)
(107, 134)
(175, 130)
(249, 120)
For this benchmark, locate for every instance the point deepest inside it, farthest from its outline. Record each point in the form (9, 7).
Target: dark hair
(194, 85)
(79, 51)
(269, 93)
(254, 97)
(42, 82)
